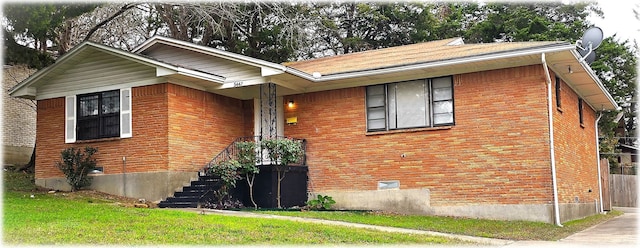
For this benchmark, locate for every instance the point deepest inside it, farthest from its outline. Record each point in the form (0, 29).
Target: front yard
(37, 217)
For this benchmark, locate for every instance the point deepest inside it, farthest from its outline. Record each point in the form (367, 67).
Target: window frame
(100, 118)
(429, 111)
(123, 119)
(581, 111)
(558, 92)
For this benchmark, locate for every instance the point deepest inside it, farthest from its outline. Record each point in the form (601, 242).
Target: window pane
(376, 113)
(111, 102)
(111, 126)
(445, 118)
(88, 129)
(442, 107)
(88, 105)
(411, 104)
(375, 101)
(375, 90)
(441, 94)
(442, 89)
(443, 82)
(376, 124)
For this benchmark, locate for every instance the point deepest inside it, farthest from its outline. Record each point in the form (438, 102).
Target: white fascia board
(211, 51)
(24, 92)
(595, 78)
(478, 58)
(200, 75)
(166, 71)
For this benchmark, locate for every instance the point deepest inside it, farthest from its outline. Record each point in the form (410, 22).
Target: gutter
(317, 78)
(556, 207)
(598, 156)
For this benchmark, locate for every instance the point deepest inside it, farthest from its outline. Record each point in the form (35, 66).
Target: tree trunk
(31, 166)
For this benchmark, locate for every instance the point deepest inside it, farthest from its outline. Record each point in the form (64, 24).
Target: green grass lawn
(511, 230)
(64, 219)
(75, 219)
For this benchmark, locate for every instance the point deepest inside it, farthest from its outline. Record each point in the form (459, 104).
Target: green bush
(321, 203)
(76, 166)
(282, 152)
(228, 172)
(248, 167)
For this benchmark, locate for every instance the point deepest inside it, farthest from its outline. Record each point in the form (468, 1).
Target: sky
(619, 19)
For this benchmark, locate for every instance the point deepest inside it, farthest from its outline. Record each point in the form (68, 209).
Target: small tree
(248, 167)
(228, 172)
(282, 152)
(76, 166)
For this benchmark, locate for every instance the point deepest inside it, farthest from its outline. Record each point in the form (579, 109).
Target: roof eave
(268, 68)
(431, 64)
(595, 78)
(24, 91)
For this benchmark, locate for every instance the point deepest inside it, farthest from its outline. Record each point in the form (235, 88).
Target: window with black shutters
(98, 115)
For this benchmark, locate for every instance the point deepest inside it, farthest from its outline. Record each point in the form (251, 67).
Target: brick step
(178, 204)
(191, 194)
(183, 199)
(206, 183)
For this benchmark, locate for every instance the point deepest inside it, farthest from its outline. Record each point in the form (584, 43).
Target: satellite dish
(587, 56)
(593, 36)
(591, 40)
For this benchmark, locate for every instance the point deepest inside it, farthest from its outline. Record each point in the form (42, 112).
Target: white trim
(70, 119)
(126, 112)
(601, 207)
(556, 207)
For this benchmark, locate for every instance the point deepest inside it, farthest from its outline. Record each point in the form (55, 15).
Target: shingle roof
(408, 54)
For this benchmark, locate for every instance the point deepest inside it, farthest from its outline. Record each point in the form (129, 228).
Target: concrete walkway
(621, 231)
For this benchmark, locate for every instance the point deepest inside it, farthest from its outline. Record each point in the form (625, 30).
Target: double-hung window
(410, 104)
(98, 115)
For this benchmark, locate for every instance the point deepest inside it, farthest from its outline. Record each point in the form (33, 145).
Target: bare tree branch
(105, 21)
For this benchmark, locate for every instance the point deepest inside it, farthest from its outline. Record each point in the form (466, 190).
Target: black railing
(262, 154)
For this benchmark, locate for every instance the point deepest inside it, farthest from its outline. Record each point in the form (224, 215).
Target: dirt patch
(104, 197)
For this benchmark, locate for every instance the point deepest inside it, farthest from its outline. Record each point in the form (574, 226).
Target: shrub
(76, 166)
(321, 203)
(228, 173)
(282, 152)
(248, 167)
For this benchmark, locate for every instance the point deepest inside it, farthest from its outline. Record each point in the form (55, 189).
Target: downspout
(556, 207)
(598, 155)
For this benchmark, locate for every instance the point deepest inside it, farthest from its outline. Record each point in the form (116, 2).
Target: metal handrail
(231, 152)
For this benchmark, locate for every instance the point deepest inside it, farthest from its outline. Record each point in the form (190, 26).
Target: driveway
(621, 231)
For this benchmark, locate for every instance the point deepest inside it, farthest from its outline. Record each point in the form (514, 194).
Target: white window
(410, 104)
(98, 115)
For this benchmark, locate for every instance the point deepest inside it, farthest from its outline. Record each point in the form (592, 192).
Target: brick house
(18, 119)
(500, 131)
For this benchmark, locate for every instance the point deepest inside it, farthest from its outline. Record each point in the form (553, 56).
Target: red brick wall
(174, 128)
(201, 125)
(575, 149)
(497, 153)
(146, 151)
